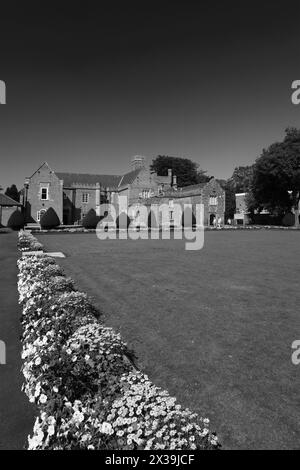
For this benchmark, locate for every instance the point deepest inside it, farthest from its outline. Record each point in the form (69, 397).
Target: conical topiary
(16, 220)
(49, 219)
(91, 219)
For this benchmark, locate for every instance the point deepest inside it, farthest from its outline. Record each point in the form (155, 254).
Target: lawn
(214, 326)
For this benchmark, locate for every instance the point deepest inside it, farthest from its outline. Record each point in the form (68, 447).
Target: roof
(70, 179)
(129, 178)
(108, 181)
(8, 201)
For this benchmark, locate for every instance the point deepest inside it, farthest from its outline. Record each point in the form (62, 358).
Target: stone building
(7, 207)
(241, 211)
(72, 195)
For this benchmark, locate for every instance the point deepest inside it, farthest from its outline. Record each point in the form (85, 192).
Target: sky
(89, 86)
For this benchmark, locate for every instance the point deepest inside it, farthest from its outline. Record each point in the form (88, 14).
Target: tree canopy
(187, 171)
(13, 192)
(241, 179)
(276, 175)
(239, 182)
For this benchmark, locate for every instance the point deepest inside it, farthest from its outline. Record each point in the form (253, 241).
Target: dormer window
(213, 201)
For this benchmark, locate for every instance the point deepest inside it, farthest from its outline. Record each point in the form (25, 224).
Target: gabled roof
(44, 163)
(70, 179)
(107, 181)
(8, 201)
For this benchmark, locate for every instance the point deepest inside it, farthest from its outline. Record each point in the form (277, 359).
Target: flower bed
(27, 242)
(77, 372)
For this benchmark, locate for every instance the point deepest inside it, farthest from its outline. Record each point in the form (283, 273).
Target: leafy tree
(49, 219)
(187, 171)
(276, 175)
(240, 181)
(13, 192)
(229, 198)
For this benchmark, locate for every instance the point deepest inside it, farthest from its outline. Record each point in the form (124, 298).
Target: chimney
(174, 183)
(170, 174)
(138, 162)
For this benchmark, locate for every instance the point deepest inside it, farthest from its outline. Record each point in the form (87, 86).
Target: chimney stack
(175, 183)
(138, 162)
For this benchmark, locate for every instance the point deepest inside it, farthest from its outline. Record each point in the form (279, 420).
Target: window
(213, 201)
(44, 193)
(146, 194)
(85, 198)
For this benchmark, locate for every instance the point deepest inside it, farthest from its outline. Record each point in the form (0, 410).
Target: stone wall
(5, 213)
(44, 177)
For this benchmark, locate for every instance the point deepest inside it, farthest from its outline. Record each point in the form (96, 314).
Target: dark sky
(89, 85)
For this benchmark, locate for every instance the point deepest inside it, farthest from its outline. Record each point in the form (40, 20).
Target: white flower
(78, 417)
(107, 428)
(51, 430)
(43, 398)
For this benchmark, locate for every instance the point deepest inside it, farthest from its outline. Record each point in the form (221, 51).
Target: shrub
(90, 220)
(50, 219)
(288, 219)
(16, 220)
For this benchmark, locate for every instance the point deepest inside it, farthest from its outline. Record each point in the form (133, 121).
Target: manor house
(73, 195)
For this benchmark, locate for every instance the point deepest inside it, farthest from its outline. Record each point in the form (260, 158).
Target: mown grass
(214, 326)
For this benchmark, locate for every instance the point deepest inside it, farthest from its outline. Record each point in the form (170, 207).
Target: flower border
(78, 372)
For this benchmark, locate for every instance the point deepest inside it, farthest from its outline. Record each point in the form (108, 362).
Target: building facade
(73, 195)
(7, 207)
(241, 212)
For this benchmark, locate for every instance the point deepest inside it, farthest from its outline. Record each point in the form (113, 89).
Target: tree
(187, 171)
(276, 175)
(241, 179)
(13, 193)
(49, 219)
(240, 182)
(229, 198)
